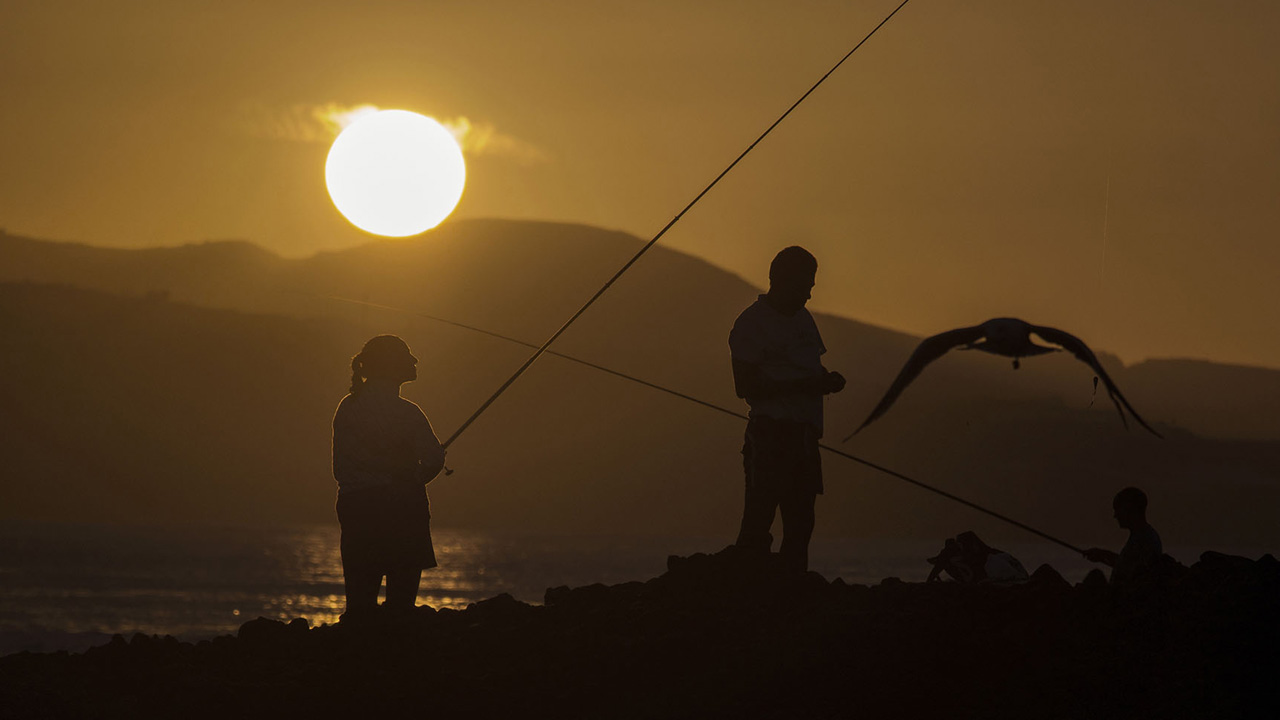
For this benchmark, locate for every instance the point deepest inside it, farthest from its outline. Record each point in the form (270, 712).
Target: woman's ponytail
(383, 357)
(357, 378)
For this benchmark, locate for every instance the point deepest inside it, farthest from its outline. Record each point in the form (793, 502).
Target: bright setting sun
(395, 173)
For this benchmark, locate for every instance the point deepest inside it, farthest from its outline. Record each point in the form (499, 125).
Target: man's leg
(797, 528)
(760, 500)
(758, 509)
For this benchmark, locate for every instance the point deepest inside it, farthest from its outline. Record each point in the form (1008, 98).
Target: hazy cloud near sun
(482, 138)
(321, 123)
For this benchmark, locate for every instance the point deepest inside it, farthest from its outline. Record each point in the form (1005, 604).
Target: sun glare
(395, 173)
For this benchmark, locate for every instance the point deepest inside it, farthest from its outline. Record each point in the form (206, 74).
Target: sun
(395, 173)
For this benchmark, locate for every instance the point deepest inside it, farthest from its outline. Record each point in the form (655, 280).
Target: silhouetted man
(1142, 550)
(777, 369)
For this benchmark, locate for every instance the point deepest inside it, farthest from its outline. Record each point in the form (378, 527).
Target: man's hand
(832, 382)
(749, 381)
(1099, 555)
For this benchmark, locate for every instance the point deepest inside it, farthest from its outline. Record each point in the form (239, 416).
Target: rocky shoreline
(721, 636)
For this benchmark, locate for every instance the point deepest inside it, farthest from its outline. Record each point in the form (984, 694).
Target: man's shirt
(784, 348)
(1138, 555)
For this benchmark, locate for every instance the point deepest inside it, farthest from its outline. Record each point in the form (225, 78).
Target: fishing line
(713, 406)
(543, 348)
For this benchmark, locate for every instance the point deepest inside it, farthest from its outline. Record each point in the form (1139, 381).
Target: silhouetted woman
(384, 454)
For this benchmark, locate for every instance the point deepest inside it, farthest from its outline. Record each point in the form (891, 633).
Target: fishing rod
(555, 336)
(713, 406)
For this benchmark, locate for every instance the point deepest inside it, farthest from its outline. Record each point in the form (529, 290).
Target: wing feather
(1076, 347)
(929, 349)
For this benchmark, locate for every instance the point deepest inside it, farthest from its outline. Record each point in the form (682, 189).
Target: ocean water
(72, 586)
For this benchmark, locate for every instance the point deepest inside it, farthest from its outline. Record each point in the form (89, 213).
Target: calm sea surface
(71, 586)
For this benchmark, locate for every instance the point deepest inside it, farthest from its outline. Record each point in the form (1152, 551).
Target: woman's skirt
(386, 528)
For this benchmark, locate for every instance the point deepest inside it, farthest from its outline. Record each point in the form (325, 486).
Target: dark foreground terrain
(714, 637)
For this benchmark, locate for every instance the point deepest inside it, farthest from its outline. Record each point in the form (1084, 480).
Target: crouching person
(969, 560)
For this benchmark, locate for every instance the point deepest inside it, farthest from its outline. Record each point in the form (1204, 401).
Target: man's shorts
(782, 455)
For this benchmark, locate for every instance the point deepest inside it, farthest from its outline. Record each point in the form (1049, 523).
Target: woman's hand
(431, 467)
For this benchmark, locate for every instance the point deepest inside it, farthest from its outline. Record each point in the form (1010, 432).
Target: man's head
(1130, 505)
(791, 277)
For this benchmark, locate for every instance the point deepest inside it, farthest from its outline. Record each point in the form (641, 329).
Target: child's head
(1130, 505)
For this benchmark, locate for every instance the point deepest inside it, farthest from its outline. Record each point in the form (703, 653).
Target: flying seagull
(1009, 337)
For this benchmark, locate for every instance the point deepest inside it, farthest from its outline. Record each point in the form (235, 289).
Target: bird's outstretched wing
(929, 349)
(1076, 347)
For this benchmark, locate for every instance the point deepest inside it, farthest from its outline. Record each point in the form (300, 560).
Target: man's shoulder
(754, 311)
(753, 319)
(1142, 542)
(806, 317)
(1151, 538)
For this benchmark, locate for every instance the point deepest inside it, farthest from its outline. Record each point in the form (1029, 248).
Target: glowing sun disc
(395, 173)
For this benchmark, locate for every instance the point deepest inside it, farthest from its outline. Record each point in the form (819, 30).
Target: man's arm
(749, 380)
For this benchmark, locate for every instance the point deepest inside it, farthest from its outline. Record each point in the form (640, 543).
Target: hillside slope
(126, 405)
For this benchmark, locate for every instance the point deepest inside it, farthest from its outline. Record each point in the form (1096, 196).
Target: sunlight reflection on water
(200, 582)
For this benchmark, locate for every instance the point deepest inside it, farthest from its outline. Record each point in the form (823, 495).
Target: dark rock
(557, 595)
(1221, 564)
(263, 632)
(1167, 571)
(1095, 581)
(1046, 578)
(503, 604)
(719, 636)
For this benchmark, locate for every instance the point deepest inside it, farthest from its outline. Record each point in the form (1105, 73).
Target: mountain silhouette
(197, 383)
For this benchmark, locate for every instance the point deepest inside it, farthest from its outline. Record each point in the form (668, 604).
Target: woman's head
(384, 359)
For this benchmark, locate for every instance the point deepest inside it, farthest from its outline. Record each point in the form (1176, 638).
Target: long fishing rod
(713, 406)
(543, 348)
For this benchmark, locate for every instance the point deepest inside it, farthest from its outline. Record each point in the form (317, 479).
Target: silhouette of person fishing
(1143, 549)
(384, 453)
(777, 369)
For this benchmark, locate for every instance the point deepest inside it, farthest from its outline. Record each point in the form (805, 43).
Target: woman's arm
(430, 452)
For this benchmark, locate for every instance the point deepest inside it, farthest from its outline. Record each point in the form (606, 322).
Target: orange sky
(956, 169)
